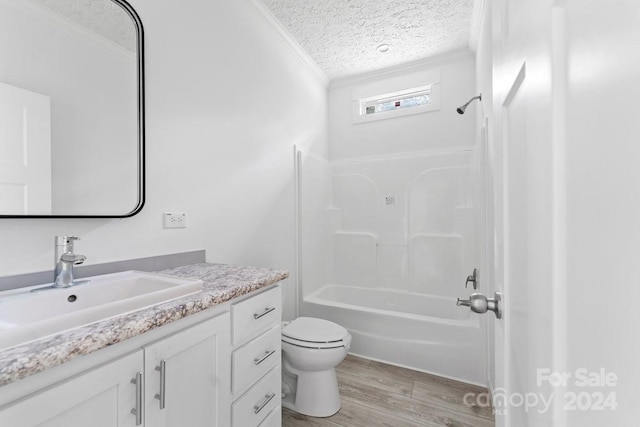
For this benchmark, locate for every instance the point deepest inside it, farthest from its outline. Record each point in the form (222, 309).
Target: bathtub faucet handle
(473, 278)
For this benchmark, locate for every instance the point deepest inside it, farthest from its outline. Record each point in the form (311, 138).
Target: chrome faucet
(65, 261)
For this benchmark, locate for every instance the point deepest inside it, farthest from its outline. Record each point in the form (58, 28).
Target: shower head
(462, 108)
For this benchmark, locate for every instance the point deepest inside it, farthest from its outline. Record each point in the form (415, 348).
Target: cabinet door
(102, 397)
(187, 377)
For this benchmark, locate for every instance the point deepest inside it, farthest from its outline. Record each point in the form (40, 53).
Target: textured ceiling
(100, 16)
(342, 36)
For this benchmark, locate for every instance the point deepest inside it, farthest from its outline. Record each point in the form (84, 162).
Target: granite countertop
(222, 283)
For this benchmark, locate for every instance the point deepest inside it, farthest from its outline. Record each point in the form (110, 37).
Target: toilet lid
(309, 329)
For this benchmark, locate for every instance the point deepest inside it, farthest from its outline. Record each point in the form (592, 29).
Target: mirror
(71, 109)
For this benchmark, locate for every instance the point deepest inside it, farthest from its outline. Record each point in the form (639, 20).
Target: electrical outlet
(175, 220)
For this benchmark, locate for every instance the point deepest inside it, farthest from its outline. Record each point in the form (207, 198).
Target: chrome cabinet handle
(264, 313)
(259, 406)
(137, 411)
(162, 395)
(259, 360)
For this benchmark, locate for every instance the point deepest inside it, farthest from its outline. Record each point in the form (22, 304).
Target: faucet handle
(63, 240)
(72, 258)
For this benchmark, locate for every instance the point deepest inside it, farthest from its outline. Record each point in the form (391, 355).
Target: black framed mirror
(72, 117)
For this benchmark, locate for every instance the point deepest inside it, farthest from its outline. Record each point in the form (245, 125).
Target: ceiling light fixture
(384, 48)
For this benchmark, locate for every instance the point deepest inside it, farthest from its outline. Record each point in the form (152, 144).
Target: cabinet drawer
(274, 419)
(255, 314)
(254, 359)
(254, 406)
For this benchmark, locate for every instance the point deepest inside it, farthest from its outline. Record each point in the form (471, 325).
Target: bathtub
(417, 331)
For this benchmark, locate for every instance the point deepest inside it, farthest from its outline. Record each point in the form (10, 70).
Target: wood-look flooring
(376, 394)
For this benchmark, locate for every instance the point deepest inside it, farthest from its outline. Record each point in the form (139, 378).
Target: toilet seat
(314, 333)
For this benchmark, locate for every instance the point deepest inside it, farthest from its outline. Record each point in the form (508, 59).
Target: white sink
(26, 315)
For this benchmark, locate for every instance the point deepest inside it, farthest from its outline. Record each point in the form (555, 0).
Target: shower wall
(405, 223)
(398, 222)
(385, 246)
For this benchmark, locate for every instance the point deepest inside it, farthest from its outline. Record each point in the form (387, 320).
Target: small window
(394, 101)
(413, 100)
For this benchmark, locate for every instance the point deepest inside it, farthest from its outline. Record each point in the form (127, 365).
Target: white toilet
(311, 349)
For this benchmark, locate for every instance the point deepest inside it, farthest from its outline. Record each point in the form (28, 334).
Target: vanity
(211, 358)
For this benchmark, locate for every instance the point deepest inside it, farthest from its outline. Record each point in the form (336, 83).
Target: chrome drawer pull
(267, 398)
(264, 313)
(259, 360)
(137, 411)
(163, 385)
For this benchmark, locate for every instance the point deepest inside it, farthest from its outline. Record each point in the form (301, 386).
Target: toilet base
(316, 394)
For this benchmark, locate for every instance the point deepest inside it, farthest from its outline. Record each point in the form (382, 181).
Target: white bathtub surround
(400, 237)
(423, 241)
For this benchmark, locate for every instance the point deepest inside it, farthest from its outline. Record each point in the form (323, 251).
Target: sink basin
(26, 315)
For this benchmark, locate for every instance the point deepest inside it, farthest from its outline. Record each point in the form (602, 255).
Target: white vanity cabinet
(256, 360)
(180, 380)
(102, 397)
(217, 368)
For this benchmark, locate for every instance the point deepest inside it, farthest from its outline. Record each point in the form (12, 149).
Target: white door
(102, 397)
(567, 141)
(25, 152)
(523, 210)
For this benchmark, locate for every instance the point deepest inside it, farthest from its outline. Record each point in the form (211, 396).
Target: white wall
(444, 128)
(226, 101)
